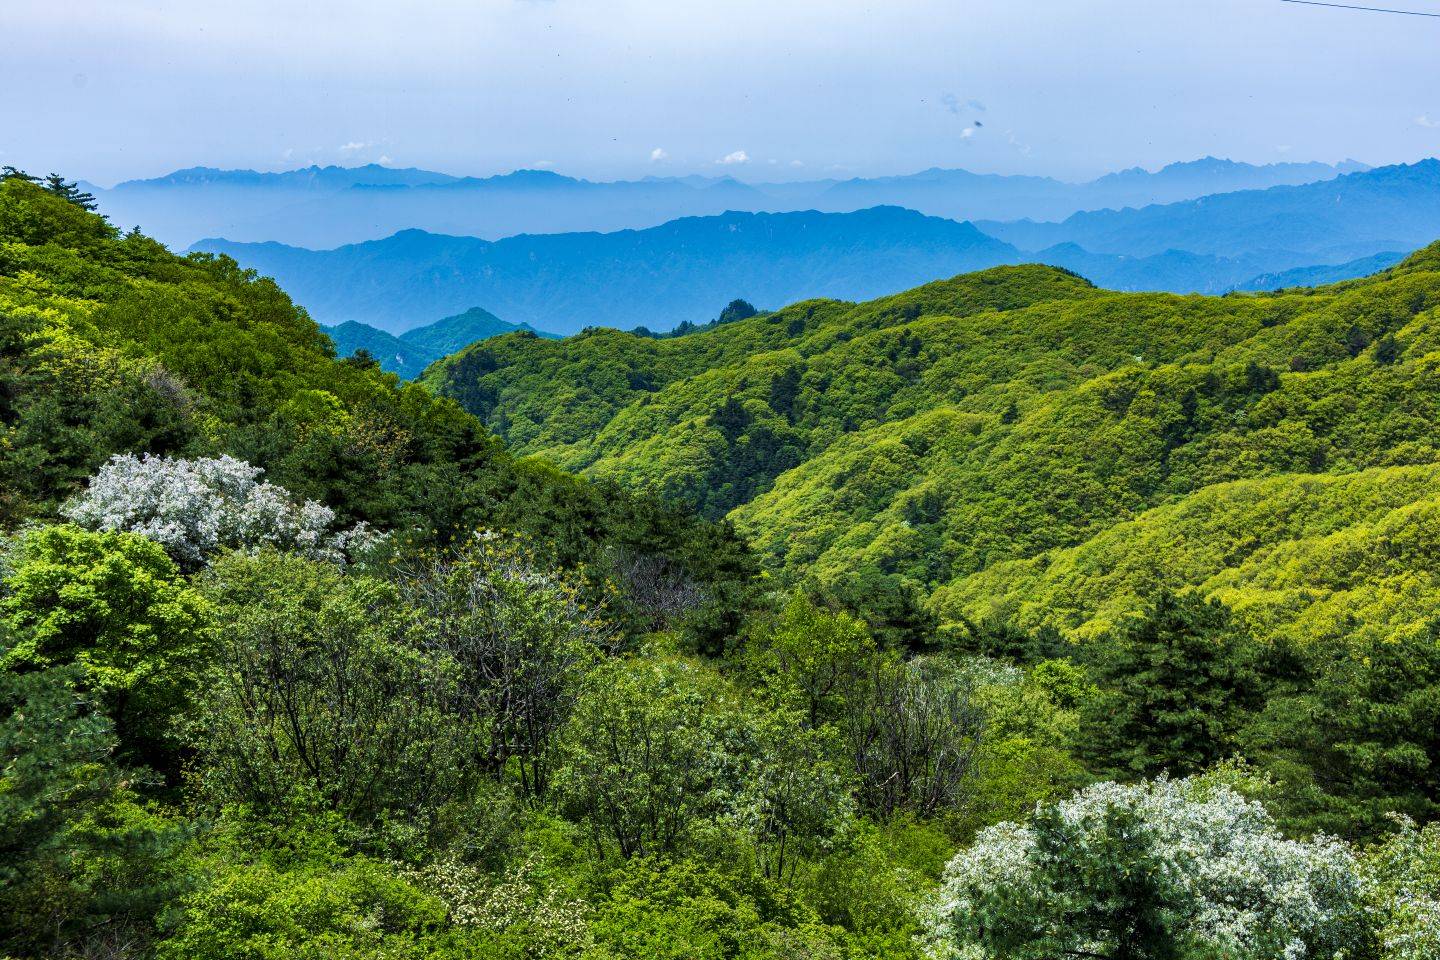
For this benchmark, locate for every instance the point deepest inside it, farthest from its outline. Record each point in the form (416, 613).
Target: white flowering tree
(1404, 878)
(1181, 870)
(196, 508)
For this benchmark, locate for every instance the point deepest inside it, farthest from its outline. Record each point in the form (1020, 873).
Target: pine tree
(1172, 687)
(70, 190)
(13, 173)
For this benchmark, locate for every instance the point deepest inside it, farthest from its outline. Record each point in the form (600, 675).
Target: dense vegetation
(1016, 444)
(297, 661)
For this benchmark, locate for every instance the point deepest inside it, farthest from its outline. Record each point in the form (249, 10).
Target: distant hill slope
(1356, 215)
(331, 206)
(393, 354)
(1323, 274)
(449, 334)
(1019, 443)
(683, 270)
(413, 351)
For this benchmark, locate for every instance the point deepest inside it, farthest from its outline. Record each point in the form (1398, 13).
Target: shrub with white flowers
(1173, 869)
(1404, 878)
(196, 508)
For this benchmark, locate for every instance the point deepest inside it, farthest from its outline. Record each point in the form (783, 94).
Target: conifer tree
(70, 190)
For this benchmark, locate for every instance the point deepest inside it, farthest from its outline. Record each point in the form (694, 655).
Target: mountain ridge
(333, 206)
(658, 277)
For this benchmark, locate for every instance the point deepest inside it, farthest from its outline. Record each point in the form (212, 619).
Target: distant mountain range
(1355, 215)
(411, 352)
(683, 270)
(323, 207)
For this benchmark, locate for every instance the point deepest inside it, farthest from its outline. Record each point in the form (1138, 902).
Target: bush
(318, 691)
(1169, 869)
(196, 508)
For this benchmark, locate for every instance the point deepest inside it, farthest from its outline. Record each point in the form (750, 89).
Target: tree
(1173, 685)
(82, 862)
(731, 418)
(784, 391)
(736, 310)
(14, 173)
(348, 910)
(70, 192)
(114, 606)
(521, 640)
(793, 797)
(196, 508)
(1153, 871)
(1387, 350)
(641, 759)
(912, 729)
(1403, 883)
(812, 658)
(317, 692)
(1362, 740)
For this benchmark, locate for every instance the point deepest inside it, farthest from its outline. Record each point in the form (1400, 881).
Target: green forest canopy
(1018, 444)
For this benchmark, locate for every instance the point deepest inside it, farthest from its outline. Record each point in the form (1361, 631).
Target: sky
(758, 89)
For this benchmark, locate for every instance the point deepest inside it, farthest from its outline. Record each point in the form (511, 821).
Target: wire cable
(1347, 6)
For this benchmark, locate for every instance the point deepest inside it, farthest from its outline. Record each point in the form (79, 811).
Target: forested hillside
(111, 344)
(985, 442)
(1094, 625)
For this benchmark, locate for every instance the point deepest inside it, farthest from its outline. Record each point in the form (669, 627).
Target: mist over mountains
(684, 270)
(1356, 215)
(322, 207)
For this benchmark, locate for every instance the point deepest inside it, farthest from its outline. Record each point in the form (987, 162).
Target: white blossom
(196, 508)
(1236, 887)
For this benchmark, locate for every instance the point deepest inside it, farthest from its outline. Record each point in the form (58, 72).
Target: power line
(1348, 6)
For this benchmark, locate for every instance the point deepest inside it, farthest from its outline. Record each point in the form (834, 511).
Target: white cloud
(543, 164)
(739, 156)
(354, 146)
(967, 133)
(384, 159)
(955, 105)
(658, 155)
(1425, 121)
(797, 163)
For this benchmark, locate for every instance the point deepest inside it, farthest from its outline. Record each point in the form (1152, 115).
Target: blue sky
(761, 89)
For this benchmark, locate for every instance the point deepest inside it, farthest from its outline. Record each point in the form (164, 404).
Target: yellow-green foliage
(1016, 443)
